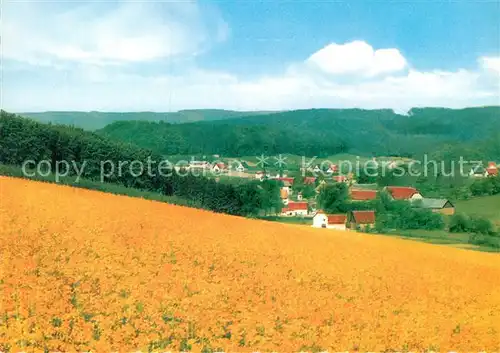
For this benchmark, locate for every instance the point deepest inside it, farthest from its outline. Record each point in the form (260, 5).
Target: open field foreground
(83, 270)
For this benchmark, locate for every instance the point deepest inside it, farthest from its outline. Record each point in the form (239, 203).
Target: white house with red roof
(332, 169)
(329, 221)
(219, 167)
(492, 169)
(295, 208)
(403, 193)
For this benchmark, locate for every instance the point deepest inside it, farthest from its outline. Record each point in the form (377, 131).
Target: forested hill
(97, 120)
(322, 132)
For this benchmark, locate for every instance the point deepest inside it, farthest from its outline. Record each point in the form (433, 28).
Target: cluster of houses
(217, 167)
(298, 207)
(363, 219)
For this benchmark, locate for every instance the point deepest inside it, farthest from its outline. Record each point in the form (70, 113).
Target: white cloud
(104, 56)
(195, 88)
(106, 33)
(357, 58)
(491, 63)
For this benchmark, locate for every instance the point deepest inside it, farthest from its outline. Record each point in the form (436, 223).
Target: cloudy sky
(246, 55)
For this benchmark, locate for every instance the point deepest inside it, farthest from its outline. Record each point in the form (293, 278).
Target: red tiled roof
(336, 218)
(402, 192)
(333, 167)
(289, 179)
(295, 206)
(221, 165)
(362, 195)
(493, 171)
(492, 164)
(309, 180)
(364, 217)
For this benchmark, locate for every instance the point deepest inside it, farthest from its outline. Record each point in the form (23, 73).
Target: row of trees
(486, 186)
(97, 158)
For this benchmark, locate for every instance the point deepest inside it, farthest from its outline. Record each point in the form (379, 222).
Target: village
(296, 205)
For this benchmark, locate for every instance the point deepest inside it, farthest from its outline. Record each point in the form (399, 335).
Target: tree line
(446, 133)
(24, 140)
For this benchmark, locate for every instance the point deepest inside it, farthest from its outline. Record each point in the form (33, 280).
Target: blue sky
(249, 55)
(442, 34)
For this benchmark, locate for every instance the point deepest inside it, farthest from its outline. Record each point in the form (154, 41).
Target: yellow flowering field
(83, 270)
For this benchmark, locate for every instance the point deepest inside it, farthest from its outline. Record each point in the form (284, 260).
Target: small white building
(219, 168)
(329, 221)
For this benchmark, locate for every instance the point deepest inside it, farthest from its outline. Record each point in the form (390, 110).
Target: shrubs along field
(84, 270)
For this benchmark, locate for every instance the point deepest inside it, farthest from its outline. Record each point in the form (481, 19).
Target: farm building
(363, 195)
(294, 208)
(332, 169)
(492, 169)
(219, 167)
(237, 166)
(360, 219)
(442, 206)
(403, 193)
(287, 181)
(330, 221)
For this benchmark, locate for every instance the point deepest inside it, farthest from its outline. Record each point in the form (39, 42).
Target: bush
(484, 240)
(459, 223)
(482, 226)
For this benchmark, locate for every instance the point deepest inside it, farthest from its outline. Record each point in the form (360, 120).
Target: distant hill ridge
(320, 132)
(94, 120)
(472, 132)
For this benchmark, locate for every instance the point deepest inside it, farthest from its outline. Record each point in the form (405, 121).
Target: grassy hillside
(323, 132)
(103, 272)
(97, 120)
(486, 206)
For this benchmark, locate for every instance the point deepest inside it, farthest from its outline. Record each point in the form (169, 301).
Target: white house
(332, 169)
(329, 221)
(219, 168)
(294, 208)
